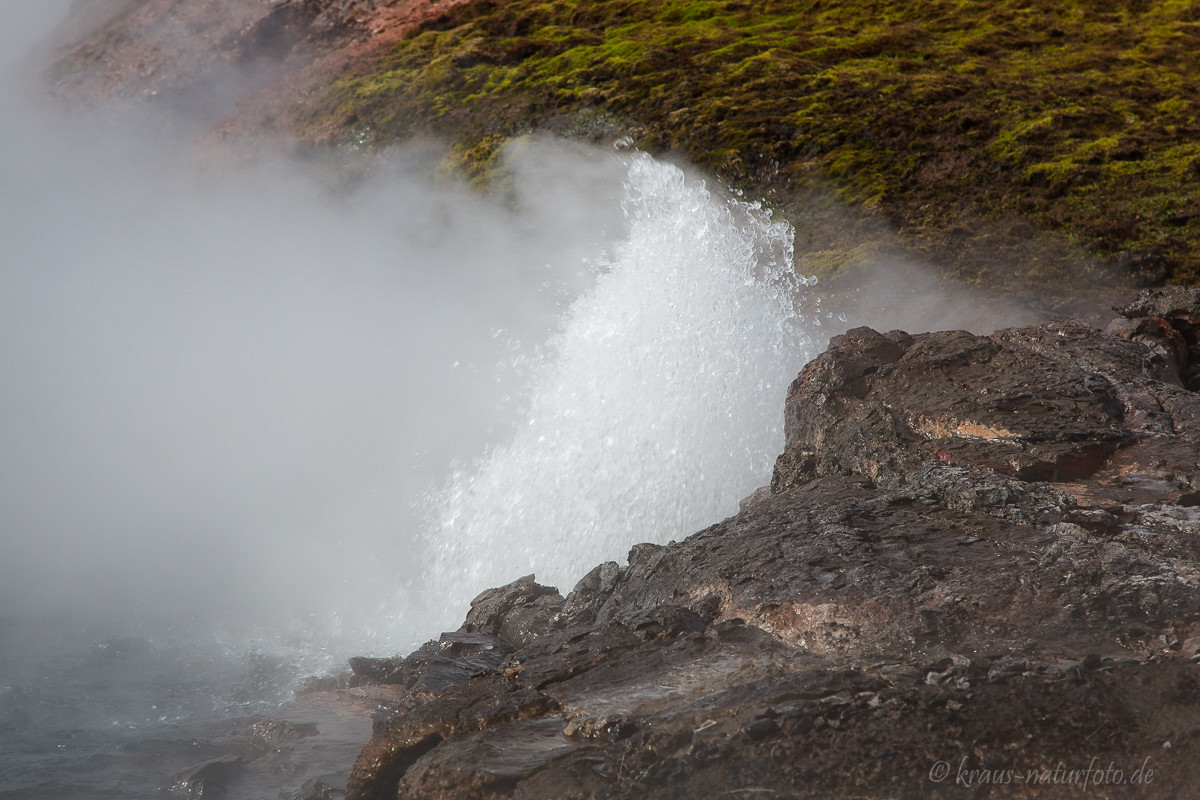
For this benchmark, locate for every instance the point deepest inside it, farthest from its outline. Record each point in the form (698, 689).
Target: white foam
(657, 406)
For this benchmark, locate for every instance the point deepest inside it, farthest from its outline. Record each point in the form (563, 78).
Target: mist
(25, 26)
(225, 391)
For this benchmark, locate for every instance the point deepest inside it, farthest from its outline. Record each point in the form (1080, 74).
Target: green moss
(479, 160)
(960, 122)
(843, 263)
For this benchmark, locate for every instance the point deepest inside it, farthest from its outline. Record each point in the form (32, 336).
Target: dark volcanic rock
(517, 613)
(892, 407)
(979, 562)
(1168, 320)
(454, 658)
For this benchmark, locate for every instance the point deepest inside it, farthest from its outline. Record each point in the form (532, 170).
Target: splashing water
(657, 406)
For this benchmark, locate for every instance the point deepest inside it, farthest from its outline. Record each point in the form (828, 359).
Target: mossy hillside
(969, 126)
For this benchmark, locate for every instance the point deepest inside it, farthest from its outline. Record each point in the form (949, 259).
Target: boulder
(1167, 320)
(517, 613)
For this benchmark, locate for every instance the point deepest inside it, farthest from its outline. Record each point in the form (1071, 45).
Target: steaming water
(88, 714)
(657, 406)
(230, 406)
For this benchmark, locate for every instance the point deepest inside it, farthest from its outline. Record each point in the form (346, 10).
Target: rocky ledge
(977, 565)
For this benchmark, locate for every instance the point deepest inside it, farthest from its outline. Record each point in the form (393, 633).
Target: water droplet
(693, 301)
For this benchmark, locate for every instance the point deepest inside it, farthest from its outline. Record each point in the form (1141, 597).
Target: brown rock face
(948, 398)
(1169, 321)
(978, 572)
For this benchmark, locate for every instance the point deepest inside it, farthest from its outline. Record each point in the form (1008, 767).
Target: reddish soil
(248, 65)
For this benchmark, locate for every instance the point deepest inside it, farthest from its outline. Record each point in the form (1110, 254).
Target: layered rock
(978, 563)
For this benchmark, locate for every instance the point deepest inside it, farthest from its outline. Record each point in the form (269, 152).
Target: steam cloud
(223, 391)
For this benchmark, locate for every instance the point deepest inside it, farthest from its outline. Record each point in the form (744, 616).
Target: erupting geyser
(655, 408)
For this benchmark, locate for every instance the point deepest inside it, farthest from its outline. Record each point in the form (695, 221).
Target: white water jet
(657, 406)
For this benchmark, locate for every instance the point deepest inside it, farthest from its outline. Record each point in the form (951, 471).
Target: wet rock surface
(302, 751)
(977, 572)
